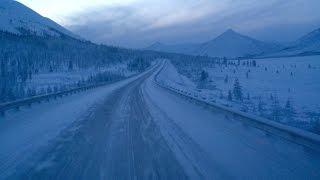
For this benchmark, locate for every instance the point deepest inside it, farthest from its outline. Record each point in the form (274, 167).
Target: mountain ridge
(225, 45)
(232, 44)
(19, 19)
(308, 44)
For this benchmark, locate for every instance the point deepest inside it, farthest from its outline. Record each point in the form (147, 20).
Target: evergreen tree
(204, 76)
(275, 110)
(2, 68)
(226, 79)
(70, 66)
(221, 95)
(230, 95)
(50, 69)
(261, 106)
(42, 91)
(49, 90)
(289, 110)
(254, 63)
(237, 90)
(271, 97)
(55, 89)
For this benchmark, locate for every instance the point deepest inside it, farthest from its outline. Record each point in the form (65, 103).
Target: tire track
(117, 140)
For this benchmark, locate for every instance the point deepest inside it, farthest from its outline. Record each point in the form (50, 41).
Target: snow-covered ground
(267, 87)
(66, 79)
(135, 129)
(44, 80)
(26, 131)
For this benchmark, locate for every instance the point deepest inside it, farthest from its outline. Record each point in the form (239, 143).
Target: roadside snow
(266, 88)
(170, 75)
(23, 132)
(216, 144)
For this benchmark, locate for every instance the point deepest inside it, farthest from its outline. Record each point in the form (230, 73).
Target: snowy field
(69, 79)
(285, 90)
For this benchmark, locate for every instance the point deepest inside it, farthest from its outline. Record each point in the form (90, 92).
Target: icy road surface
(136, 130)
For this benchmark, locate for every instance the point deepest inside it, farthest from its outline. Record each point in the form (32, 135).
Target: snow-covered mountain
(306, 45)
(232, 44)
(18, 19)
(229, 44)
(178, 48)
(311, 41)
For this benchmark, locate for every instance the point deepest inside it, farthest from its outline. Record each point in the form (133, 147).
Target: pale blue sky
(137, 23)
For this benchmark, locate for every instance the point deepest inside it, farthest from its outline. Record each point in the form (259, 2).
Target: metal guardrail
(37, 99)
(289, 133)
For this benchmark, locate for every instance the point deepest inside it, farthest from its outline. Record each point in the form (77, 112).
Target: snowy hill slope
(229, 44)
(311, 41)
(306, 45)
(178, 48)
(19, 19)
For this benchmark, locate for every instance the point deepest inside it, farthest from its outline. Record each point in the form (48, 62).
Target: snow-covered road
(135, 129)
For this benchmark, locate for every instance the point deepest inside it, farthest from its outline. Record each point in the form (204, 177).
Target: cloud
(142, 22)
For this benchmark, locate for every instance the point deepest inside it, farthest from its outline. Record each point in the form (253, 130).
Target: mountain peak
(157, 43)
(230, 35)
(230, 32)
(155, 46)
(229, 44)
(233, 44)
